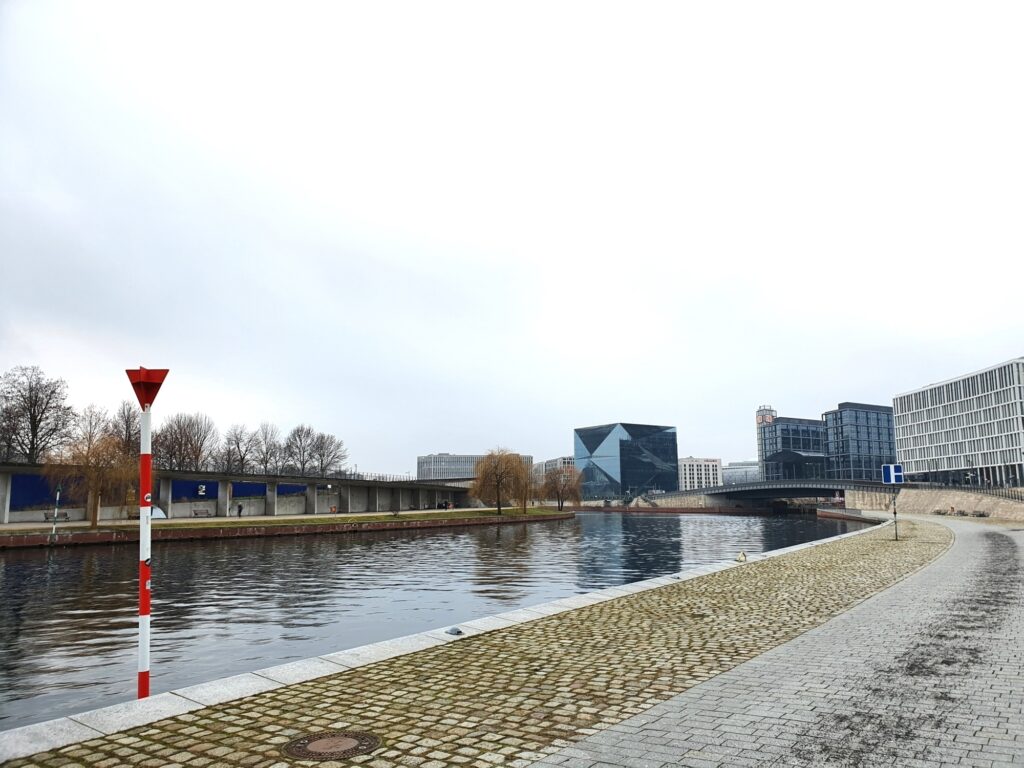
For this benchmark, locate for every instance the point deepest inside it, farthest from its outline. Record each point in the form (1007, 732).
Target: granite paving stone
(927, 673)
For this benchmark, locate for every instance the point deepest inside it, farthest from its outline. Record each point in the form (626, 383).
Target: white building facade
(699, 473)
(449, 466)
(965, 431)
(541, 468)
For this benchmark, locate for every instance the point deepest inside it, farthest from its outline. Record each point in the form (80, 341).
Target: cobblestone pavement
(512, 696)
(928, 673)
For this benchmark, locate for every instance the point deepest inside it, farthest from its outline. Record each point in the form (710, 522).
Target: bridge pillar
(376, 499)
(223, 498)
(396, 500)
(311, 499)
(5, 497)
(270, 506)
(345, 499)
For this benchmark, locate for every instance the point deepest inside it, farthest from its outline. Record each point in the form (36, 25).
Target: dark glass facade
(791, 449)
(859, 438)
(626, 459)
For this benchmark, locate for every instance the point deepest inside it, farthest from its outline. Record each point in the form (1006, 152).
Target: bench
(202, 513)
(52, 517)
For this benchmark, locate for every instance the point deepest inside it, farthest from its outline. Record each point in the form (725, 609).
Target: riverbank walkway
(719, 669)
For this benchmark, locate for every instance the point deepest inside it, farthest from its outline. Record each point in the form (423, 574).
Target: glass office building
(859, 439)
(788, 448)
(626, 459)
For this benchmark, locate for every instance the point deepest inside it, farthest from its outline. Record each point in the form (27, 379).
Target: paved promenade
(927, 673)
(601, 685)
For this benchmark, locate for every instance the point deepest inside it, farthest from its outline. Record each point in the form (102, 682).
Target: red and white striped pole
(146, 384)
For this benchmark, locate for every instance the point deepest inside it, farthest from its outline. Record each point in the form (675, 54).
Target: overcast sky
(439, 226)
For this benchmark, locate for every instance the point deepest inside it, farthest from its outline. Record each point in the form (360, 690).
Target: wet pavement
(927, 673)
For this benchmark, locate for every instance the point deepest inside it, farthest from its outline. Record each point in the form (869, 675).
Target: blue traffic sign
(892, 474)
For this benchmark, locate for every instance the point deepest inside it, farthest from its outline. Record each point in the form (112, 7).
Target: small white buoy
(742, 557)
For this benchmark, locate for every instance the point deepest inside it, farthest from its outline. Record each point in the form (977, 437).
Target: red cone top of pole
(146, 383)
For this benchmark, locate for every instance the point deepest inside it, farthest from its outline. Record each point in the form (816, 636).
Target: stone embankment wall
(925, 501)
(67, 537)
(687, 501)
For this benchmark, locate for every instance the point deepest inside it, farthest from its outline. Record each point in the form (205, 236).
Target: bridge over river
(770, 489)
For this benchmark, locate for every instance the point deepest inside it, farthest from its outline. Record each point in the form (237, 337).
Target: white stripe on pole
(143, 643)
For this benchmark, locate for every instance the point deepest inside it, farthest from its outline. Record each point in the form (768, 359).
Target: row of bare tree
(190, 441)
(503, 478)
(37, 425)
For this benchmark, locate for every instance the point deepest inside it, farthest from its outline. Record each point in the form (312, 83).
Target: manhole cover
(331, 745)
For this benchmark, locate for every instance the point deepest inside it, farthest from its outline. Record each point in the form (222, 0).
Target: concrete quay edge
(72, 729)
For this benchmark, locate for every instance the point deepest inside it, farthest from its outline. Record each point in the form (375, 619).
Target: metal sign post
(146, 384)
(892, 474)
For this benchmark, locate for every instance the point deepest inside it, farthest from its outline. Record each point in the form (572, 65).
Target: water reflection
(68, 617)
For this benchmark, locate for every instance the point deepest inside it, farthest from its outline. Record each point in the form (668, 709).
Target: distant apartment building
(699, 473)
(626, 459)
(968, 430)
(789, 448)
(541, 468)
(859, 439)
(736, 472)
(450, 466)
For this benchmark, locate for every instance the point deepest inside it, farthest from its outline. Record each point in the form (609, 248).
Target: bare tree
(268, 454)
(8, 424)
(500, 475)
(95, 464)
(185, 441)
(239, 448)
(298, 448)
(125, 426)
(328, 454)
(562, 485)
(36, 415)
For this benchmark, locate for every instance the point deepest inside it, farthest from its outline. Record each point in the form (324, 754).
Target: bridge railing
(1015, 494)
(831, 485)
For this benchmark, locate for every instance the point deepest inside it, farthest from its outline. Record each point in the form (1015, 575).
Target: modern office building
(736, 472)
(541, 468)
(626, 459)
(699, 473)
(789, 448)
(859, 439)
(449, 466)
(968, 430)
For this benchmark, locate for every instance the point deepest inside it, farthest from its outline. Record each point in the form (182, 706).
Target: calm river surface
(222, 607)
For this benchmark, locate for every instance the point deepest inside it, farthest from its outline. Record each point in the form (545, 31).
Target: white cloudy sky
(452, 226)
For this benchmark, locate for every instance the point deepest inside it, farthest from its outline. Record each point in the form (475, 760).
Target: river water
(68, 628)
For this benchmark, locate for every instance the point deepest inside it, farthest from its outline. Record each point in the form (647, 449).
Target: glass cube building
(618, 460)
